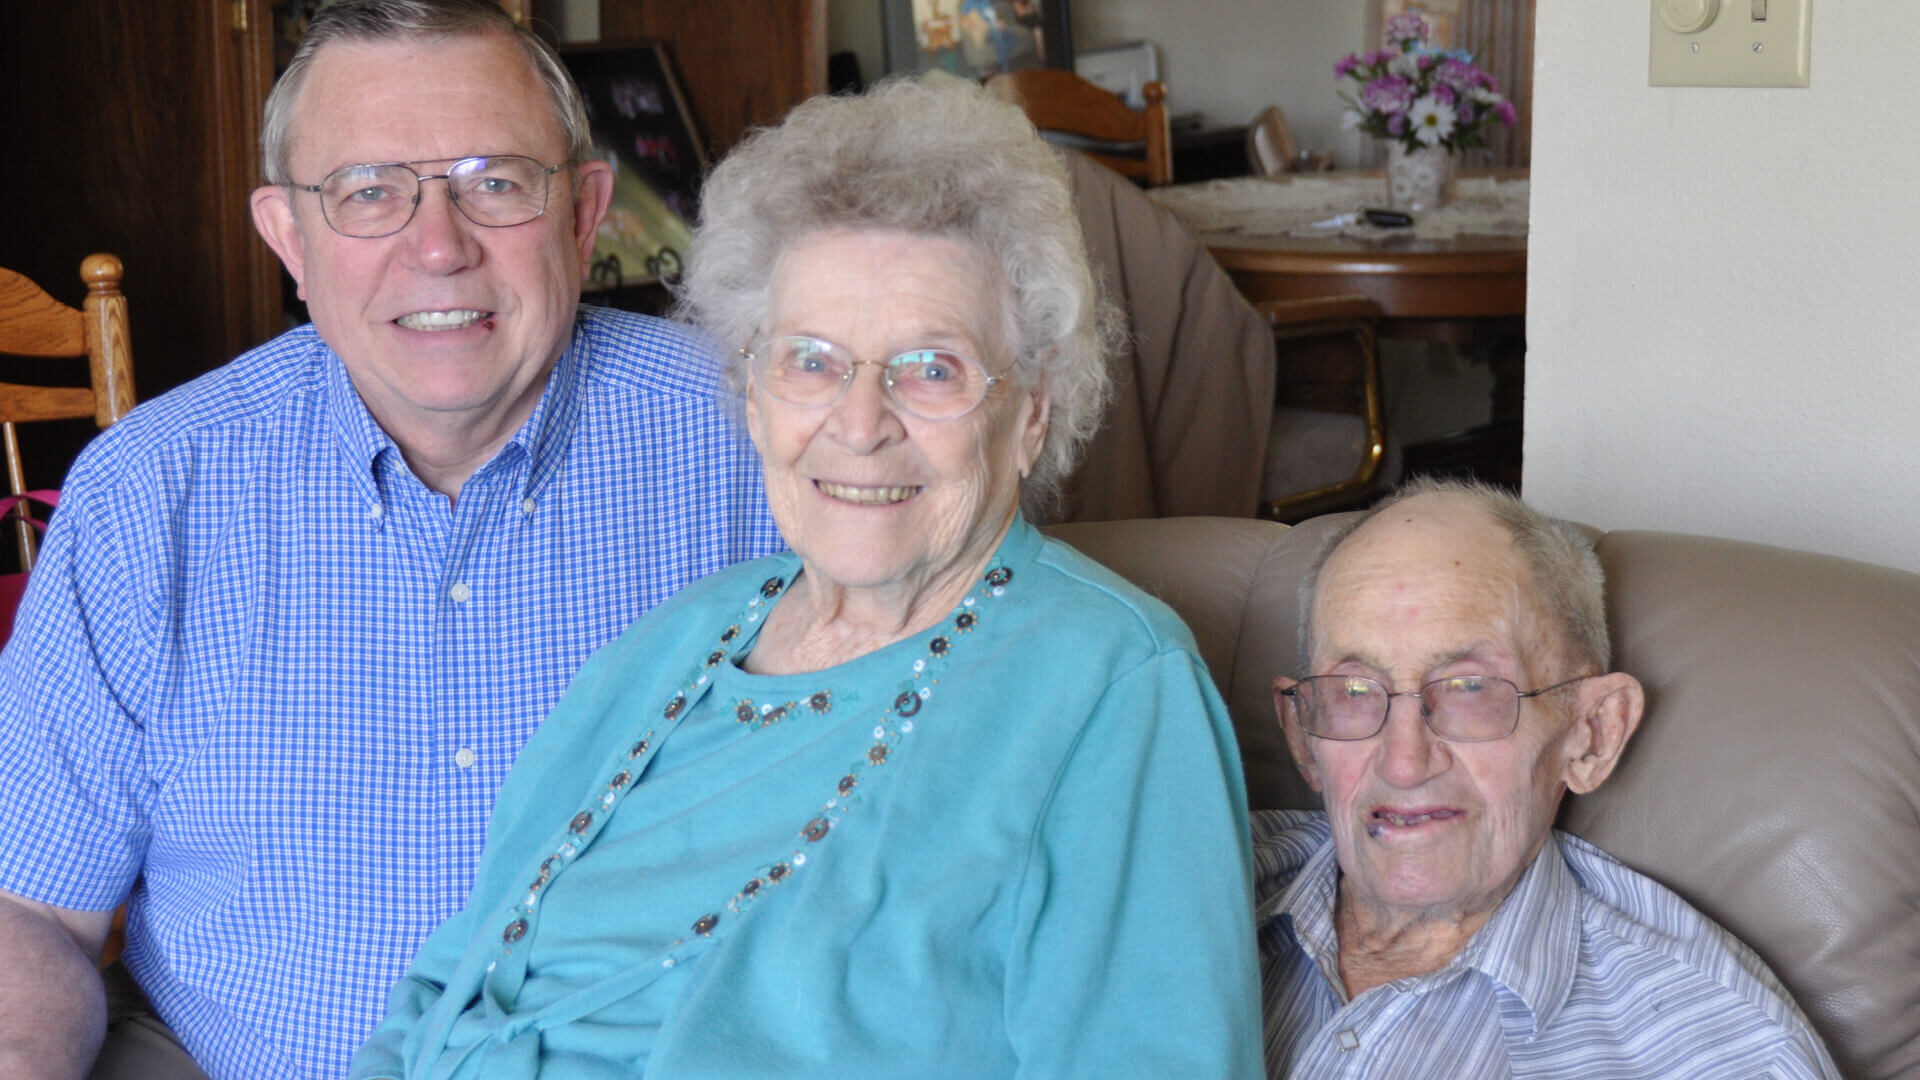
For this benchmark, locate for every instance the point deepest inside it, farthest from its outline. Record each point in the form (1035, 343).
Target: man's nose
(1409, 753)
(440, 236)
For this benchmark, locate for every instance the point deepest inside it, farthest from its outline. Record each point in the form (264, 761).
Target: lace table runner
(1329, 205)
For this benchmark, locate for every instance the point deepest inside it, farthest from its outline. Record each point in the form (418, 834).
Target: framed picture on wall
(642, 128)
(976, 38)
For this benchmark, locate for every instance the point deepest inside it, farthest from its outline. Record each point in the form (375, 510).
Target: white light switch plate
(1734, 49)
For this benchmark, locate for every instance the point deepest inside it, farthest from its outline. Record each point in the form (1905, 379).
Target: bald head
(1549, 561)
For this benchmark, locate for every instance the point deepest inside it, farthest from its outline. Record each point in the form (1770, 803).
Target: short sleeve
(73, 818)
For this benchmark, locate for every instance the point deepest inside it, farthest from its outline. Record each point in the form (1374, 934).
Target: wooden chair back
(33, 323)
(1061, 101)
(1270, 146)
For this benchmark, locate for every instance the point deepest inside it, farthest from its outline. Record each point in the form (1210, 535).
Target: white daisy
(1483, 95)
(1406, 65)
(1432, 120)
(1351, 120)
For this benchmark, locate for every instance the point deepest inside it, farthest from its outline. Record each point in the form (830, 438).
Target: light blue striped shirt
(269, 683)
(1587, 970)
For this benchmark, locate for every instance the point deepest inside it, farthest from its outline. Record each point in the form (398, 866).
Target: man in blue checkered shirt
(294, 620)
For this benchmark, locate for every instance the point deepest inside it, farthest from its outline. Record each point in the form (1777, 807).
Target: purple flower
(1397, 124)
(1463, 111)
(1443, 93)
(1345, 66)
(1487, 80)
(1407, 26)
(1425, 61)
(1391, 95)
(1504, 110)
(1379, 56)
(1457, 74)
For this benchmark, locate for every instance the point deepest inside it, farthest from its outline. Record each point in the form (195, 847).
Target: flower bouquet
(1427, 103)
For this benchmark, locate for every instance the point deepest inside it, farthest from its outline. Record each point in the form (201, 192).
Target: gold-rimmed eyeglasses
(811, 372)
(374, 200)
(1458, 708)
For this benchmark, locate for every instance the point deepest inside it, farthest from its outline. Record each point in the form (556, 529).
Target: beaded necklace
(896, 723)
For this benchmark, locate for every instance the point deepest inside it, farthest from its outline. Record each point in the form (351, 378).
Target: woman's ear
(1035, 409)
(1608, 712)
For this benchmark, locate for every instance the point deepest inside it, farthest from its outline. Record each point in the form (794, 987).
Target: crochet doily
(1329, 205)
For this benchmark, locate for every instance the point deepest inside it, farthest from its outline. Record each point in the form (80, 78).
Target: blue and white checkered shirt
(269, 683)
(1588, 970)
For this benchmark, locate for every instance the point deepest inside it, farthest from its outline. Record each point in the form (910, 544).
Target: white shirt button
(376, 511)
(460, 592)
(526, 504)
(1348, 1040)
(465, 757)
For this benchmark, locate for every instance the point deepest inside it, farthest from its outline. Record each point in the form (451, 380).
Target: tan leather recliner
(1774, 783)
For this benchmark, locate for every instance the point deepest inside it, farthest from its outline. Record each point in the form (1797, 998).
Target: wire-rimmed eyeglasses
(374, 200)
(1458, 708)
(811, 372)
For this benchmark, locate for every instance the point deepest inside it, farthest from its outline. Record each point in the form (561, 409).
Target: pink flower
(1407, 26)
(1504, 110)
(1391, 95)
(1487, 80)
(1397, 124)
(1345, 66)
(1425, 61)
(1457, 74)
(1443, 93)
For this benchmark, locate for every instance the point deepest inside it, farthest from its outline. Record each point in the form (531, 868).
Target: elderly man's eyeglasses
(1459, 708)
(371, 201)
(932, 384)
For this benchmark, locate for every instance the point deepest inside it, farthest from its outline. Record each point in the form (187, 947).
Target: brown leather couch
(1774, 783)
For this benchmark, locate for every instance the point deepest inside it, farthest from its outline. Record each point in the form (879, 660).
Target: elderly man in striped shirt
(1430, 922)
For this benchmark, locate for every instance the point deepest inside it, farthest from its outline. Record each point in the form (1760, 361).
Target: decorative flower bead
(938, 646)
(816, 830)
(714, 657)
(821, 701)
(580, 822)
(772, 586)
(516, 930)
(705, 924)
(907, 703)
(743, 712)
(999, 576)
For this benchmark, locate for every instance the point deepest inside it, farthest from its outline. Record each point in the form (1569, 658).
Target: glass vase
(1419, 179)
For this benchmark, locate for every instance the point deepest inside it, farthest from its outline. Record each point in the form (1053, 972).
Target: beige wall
(1724, 286)
(1227, 59)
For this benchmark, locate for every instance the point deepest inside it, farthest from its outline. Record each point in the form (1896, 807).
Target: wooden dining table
(1457, 275)
(1465, 261)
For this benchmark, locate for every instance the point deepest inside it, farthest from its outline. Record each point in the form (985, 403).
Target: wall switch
(1738, 43)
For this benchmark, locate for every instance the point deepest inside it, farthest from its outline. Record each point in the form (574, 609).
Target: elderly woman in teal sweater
(930, 796)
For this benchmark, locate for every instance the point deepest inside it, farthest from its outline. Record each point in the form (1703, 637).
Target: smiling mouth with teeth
(868, 496)
(1383, 818)
(458, 319)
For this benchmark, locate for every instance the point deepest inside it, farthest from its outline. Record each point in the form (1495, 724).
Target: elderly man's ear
(1290, 726)
(1607, 712)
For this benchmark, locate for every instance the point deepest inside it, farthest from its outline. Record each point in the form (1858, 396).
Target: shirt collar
(1531, 945)
(542, 439)
(1306, 906)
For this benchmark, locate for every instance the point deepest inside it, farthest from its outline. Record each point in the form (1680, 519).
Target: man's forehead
(1430, 562)
(361, 91)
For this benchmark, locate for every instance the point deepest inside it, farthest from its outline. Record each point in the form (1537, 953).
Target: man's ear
(273, 220)
(1608, 712)
(592, 194)
(1283, 707)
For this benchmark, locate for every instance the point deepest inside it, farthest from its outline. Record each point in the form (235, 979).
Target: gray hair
(388, 20)
(1568, 583)
(934, 156)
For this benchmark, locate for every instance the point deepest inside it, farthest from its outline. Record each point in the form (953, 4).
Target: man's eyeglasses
(932, 384)
(371, 201)
(1459, 708)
